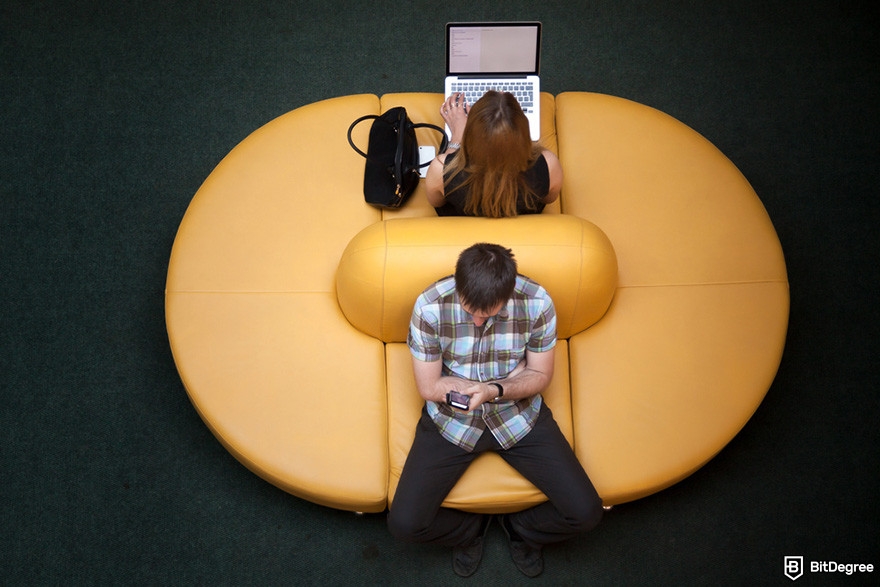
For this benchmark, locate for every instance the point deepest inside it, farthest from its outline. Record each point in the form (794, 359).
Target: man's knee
(586, 515)
(402, 526)
(581, 510)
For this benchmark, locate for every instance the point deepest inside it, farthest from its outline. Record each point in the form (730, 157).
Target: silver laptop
(503, 56)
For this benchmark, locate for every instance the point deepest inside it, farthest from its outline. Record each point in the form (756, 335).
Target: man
(489, 334)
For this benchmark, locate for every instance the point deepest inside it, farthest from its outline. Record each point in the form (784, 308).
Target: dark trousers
(544, 457)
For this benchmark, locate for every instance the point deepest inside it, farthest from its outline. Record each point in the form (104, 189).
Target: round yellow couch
(273, 327)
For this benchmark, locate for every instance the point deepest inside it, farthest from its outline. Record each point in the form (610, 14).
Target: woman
(491, 167)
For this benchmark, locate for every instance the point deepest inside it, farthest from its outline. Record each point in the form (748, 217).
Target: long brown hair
(496, 150)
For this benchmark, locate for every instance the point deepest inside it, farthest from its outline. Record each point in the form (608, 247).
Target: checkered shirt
(441, 329)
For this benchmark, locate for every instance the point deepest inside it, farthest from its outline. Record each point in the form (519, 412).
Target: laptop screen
(493, 48)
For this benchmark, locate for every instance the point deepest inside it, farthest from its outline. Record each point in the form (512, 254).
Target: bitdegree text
(835, 567)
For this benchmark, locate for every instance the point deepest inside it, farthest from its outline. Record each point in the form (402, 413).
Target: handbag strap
(443, 142)
(351, 128)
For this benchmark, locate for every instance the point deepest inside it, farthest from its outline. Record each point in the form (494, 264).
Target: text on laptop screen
(493, 49)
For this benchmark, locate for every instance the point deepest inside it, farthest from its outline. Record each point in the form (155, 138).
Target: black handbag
(391, 171)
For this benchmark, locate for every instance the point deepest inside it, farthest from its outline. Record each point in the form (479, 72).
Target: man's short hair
(485, 276)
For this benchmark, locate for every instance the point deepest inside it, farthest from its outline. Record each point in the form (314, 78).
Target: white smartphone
(426, 155)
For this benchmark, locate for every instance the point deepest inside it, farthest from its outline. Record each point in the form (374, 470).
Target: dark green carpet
(114, 112)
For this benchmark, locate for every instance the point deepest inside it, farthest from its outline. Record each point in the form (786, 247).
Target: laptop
(502, 56)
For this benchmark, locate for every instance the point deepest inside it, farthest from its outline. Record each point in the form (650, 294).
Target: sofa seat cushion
(251, 272)
(696, 331)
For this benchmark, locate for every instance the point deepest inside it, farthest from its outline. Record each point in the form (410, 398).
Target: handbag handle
(351, 128)
(443, 142)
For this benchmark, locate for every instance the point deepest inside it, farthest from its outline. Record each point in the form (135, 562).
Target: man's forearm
(523, 383)
(530, 377)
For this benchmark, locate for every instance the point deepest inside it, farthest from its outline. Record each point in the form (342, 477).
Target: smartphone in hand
(458, 400)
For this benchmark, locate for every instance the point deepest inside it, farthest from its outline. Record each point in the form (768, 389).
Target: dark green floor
(113, 113)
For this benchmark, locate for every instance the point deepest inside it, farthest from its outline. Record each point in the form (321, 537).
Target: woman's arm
(434, 182)
(454, 112)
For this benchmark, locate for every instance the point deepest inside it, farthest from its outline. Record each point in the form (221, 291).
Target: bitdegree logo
(794, 567)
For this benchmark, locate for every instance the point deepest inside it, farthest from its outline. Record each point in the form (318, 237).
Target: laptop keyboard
(523, 91)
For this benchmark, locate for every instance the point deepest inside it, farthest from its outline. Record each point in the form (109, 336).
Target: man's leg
(431, 470)
(545, 458)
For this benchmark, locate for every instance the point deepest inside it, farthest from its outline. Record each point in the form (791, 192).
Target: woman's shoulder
(539, 171)
(551, 172)
(541, 163)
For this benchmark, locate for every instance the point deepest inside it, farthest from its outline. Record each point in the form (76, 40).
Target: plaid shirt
(441, 329)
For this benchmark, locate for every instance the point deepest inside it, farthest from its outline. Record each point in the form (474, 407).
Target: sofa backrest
(387, 265)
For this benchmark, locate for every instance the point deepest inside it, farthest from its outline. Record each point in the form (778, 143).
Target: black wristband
(500, 390)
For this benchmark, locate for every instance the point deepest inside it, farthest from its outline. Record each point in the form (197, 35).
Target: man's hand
(530, 377)
(480, 393)
(431, 383)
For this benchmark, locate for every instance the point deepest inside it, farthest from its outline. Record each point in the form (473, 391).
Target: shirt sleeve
(423, 339)
(543, 336)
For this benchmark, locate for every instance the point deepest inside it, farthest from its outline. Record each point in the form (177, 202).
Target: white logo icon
(794, 567)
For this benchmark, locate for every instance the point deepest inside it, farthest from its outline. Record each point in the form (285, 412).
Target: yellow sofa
(287, 299)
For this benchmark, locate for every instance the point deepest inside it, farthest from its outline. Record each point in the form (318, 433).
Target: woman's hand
(455, 112)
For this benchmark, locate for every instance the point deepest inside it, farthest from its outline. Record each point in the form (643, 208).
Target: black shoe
(529, 560)
(466, 559)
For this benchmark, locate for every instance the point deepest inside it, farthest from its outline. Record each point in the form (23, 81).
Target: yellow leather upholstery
(646, 393)
(388, 264)
(696, 330)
